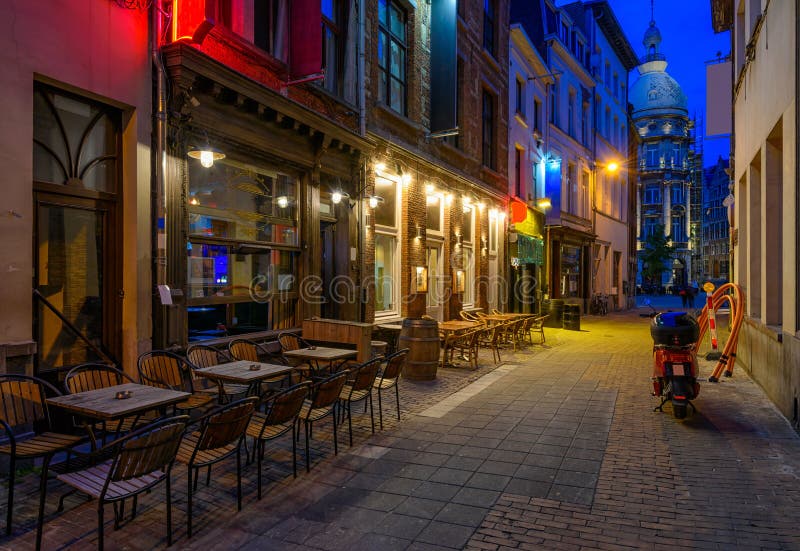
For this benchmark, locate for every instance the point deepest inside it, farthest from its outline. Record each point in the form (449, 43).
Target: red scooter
(675, 361)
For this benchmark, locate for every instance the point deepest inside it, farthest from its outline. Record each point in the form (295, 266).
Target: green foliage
(656, 255)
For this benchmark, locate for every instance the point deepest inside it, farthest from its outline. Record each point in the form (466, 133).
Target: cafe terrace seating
(200, 356)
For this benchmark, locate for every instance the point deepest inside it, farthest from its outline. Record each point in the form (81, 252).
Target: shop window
(570, 271)
(468, 259)
(386, 274)
(235, 201)
(392, 54)
(242, 249)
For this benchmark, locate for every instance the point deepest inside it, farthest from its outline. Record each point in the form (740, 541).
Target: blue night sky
(688, 42)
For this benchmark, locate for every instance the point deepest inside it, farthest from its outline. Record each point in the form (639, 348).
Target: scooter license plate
(678, 370)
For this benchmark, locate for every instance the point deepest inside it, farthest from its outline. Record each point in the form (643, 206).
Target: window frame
(384, 29)
(467, 254)
(488, 139)
(392, 232)
(490, 26)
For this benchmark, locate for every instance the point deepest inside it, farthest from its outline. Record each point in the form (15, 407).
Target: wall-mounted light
(206, 155)
(374, 201)
(481, 206)
(419, 233)
(380, 167)
(282, 201)
(449, 199)
(492, 214)
(458, 239)
(430, 189)
(544, 203)
(194, 200)
(337, 196)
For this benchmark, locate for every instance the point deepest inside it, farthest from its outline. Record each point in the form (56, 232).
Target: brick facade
(454, 171)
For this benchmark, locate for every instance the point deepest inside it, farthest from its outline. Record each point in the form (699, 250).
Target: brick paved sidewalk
(558, 448)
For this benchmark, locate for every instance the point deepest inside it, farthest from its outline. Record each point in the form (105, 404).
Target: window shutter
(305, 54)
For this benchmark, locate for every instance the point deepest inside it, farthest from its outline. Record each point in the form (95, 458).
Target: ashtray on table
(254, 367)
(123, 394)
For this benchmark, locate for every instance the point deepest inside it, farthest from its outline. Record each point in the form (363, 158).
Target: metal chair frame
(141, 460)
(281, 414)
(163, 369)
(22, 404)
(203, 355)
(358, 388)
(389, 377)
(221, 434)
(324, 400)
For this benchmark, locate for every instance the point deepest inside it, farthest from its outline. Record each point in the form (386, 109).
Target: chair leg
(189, 504)
(296, 427)
(42, 495)
(308, 458)
(371, 413)
(380, 409)
(397, 395)
(100, 531)
(169, 507)
(349, 421)
(208, 475)
(239, 478)
(335, 436)
(135, 505)
(196, 477)
(12, 474)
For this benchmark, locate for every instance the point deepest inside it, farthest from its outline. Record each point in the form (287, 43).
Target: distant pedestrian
(691, 292)
(684, 298)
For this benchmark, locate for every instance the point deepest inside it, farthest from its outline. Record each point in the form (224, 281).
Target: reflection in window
(224, 270)
(265, 23)
(75, 140)
(392, 54)
(232, 201)
(386, 213)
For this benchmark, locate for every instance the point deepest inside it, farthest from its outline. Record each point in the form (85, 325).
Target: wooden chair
(281, 412)
(202, 355)
(466, 316)
(163, 369)
(538, 326)
(220, 436)
(92, 376)
(490, 338)
(388, 378)
(357, 388)
(466, 344)
(496, 312)
(139, 461)
(244, 349)
(25, 420)
(324, 397)
(292, 341)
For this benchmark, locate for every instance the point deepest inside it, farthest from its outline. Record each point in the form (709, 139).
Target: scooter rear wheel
(679, 410)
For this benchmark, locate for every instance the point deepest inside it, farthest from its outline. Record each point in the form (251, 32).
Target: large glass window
(242, 250)
(386, 276)
(652, 194)
(468, 299)
(392, 54)
(651, 155)
(386, 213)
(232, 200)
(434, 214)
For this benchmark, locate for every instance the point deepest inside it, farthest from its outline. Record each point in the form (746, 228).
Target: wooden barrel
(421, 337)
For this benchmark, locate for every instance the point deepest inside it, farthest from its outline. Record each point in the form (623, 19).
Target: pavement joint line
(445, 406)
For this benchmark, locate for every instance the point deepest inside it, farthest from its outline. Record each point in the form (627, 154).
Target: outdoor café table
(454, 326)
(102, 403)
(318, 354)
(240, 372)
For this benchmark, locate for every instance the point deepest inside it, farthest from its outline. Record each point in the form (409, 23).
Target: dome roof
(657, 93)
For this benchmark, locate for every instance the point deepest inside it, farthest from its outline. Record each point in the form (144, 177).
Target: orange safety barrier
(734, 296)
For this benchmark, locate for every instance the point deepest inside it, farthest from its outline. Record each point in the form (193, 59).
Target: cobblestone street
(556, 448)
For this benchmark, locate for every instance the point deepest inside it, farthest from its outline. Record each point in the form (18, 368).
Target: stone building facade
(716, 234)
(765, 233)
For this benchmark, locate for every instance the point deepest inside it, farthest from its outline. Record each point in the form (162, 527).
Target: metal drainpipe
(157, 148)
(362, 95)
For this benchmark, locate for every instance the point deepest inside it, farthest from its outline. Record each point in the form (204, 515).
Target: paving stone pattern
(556, 449)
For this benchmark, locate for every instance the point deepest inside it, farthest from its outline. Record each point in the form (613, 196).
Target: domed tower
(665, 164)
